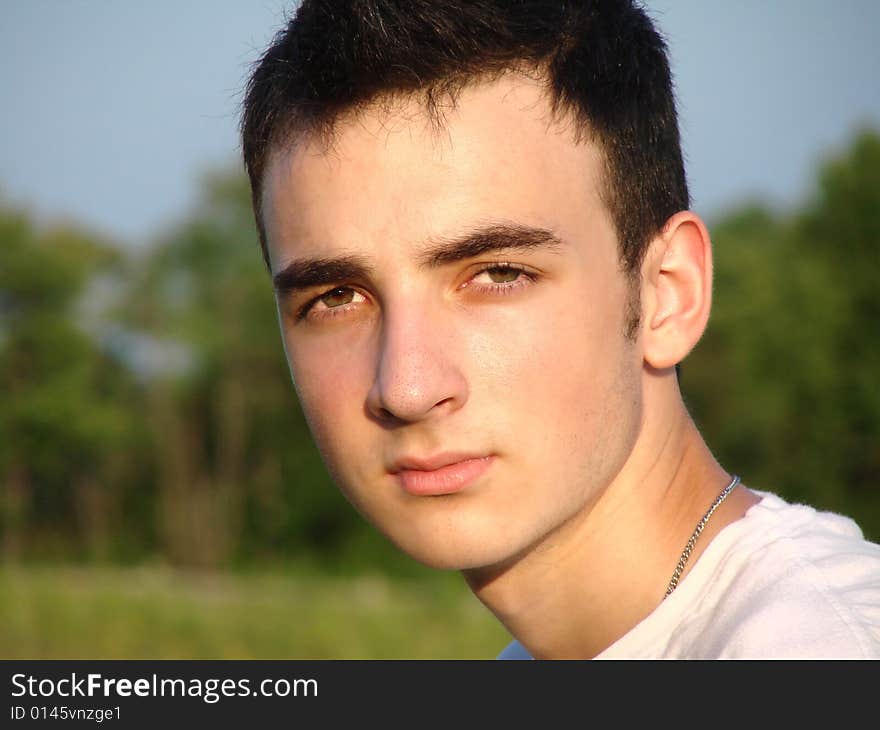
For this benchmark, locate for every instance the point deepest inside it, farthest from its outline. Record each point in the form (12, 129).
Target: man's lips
(443, 474)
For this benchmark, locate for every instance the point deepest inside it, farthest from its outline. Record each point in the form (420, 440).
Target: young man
(476, 219)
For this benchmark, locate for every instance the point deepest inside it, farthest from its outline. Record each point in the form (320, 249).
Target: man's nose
(418, 373)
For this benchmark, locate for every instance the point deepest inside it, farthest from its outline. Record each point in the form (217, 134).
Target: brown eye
(338, 297)
(503, 274)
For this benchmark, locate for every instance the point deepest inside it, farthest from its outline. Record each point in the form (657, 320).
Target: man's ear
(676, 290)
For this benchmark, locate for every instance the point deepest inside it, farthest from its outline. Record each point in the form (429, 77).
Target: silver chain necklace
(686, 553)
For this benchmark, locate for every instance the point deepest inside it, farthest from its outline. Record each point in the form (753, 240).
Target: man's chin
(452, 554)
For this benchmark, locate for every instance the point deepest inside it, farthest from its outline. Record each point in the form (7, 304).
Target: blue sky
(113, 108)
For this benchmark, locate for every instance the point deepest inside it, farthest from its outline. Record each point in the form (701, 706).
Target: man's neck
(597, 576)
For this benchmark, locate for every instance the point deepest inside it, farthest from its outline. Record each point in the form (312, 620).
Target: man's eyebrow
(303, 274)
(308, 273)
(488, 239)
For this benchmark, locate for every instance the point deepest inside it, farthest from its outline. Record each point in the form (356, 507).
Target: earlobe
(678, 276)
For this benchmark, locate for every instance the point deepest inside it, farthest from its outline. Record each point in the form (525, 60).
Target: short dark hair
(603, 62)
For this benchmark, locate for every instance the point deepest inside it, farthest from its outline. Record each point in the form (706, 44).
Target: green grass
(64, 612)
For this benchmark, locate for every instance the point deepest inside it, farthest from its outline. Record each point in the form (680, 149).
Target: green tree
(63, 422)
(784, 382)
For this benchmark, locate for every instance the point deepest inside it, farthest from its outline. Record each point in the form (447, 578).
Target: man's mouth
(441, 474)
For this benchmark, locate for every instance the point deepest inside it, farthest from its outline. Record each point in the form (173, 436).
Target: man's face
(477, 316)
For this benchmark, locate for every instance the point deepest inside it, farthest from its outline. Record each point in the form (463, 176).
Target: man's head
(602, 63)
(455, 200)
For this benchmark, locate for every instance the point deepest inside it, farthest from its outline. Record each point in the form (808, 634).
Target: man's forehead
(501, 153)
(428, 114)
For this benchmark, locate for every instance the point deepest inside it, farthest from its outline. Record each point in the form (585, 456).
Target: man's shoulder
(786, 581)
(790, 581)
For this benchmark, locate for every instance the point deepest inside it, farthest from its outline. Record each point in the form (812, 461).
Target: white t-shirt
(783, 582)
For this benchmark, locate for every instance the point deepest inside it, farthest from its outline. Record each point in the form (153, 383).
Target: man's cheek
(325, 390)
(509, 346)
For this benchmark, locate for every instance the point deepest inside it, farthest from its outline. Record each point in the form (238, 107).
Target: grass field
(52, 612)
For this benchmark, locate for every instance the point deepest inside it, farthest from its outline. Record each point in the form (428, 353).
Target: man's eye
(330, 303)
(501, 279)
(502, 274)
(337, 297)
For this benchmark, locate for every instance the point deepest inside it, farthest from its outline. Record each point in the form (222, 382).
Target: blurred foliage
(145, 612)
(64, 423)
(784, 385)
(147, 410)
